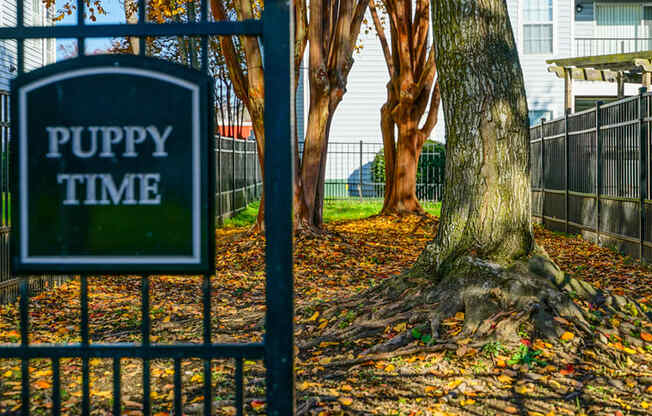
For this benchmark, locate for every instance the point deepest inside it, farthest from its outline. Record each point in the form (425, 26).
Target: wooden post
(647, 79)
(566, 169)
(569, 105)
(621, 85)
(642, 165)
(598, 170)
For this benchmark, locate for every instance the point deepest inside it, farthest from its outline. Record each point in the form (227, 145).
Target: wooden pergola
(620, 68)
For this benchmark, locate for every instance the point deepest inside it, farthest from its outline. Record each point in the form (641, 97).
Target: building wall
(585, 22)
(38, 52)
(544, 91)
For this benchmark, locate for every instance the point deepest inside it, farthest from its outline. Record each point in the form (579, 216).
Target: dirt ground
(607, 372)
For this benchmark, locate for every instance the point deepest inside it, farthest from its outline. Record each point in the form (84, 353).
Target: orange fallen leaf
(346, 401)
(567, 336)
(646, 336)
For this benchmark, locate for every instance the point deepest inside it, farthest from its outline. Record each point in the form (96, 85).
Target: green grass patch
(334, 210)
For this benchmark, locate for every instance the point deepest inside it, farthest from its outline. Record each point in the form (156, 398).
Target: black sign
(111, 167)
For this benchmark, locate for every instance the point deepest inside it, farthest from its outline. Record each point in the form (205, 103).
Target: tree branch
(382, 37)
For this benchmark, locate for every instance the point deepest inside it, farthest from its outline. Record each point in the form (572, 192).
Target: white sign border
(25, 258)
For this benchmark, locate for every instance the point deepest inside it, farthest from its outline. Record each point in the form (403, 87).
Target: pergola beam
(590, 74)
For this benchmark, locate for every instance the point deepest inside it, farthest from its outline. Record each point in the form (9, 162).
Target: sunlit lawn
(334, 210)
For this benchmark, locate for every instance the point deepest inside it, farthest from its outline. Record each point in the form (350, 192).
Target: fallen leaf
(567, 336)
(346, 401)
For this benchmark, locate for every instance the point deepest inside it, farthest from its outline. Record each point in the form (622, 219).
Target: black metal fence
(355, 170)
(9, 284)
(590, 174)
(238, 177)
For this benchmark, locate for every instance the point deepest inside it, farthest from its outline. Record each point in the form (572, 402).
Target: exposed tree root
(496, 301)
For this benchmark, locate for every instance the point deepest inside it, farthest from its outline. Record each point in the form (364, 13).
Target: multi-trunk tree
(331, 31)
(412, 93)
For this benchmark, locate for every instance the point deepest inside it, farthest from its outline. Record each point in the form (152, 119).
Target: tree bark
(410, 92)
(486, 207)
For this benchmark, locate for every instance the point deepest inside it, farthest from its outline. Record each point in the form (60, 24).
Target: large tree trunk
(486, 206)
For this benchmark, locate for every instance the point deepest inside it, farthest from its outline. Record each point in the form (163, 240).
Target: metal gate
(276, 32)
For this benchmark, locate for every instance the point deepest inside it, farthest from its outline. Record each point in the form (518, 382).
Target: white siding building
(38, 52)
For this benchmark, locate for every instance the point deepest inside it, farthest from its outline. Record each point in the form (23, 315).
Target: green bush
(429, 172)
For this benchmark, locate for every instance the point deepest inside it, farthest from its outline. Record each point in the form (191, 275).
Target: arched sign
(112, 167)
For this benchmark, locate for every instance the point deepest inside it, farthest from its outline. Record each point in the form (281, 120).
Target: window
(537, 27)
(537, 115)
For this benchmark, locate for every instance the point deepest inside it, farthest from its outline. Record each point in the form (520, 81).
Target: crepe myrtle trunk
(486, 204)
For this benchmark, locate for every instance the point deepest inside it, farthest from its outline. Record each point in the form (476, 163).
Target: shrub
(429, 172)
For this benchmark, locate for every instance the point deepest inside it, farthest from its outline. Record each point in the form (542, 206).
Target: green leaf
(416, 334)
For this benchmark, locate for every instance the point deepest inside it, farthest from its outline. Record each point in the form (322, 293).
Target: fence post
(566, 146)
(642, 168)
(233, 183)
(360, 176)
(219, 177)
(543, 173)
(598, 170)
(246, 173)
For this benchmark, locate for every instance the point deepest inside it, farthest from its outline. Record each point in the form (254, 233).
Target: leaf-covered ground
(608, 373)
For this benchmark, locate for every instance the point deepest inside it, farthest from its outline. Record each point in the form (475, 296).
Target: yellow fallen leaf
(533, 413)
(400, 327)
(346, 387)
(567, 336)
(454, 384)
(323, 324)
(505, 379)
(390, 368)
(501, 363)
(313, 317)
(325, 360)
(459, 316)
(629, 350)
(645, 404)
(524, 389)
(346, 401)
(7, 374)
(467, 402)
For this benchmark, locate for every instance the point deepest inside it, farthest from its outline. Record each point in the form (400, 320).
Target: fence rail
(606, 46)
(589, 173)
(355, 170)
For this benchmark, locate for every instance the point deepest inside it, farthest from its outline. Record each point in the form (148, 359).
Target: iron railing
(589, 173)
(607, 46)
(9, 284)
(277, 350)
(238, 177)
(355, 170)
